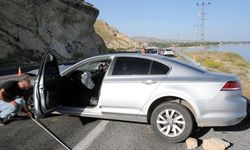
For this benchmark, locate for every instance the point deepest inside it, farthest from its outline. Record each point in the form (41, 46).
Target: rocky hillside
(113, 38)
(225, 62)
(27, 27)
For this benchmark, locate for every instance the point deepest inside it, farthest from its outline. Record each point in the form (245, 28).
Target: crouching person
(12, 99)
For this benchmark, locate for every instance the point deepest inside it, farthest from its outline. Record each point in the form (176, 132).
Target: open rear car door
(48, 86)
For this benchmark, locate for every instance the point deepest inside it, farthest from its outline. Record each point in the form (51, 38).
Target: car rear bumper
(221, 121)
(233, 112)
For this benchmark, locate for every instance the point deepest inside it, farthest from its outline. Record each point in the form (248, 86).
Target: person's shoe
(7, 118)
(1, 122)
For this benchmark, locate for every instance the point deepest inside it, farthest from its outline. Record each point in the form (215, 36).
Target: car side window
(91, 66)
(94, 66)
(158, 68)
(131, 66)
(51, 68)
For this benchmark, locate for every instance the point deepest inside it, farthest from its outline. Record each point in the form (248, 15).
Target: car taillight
(231, 86)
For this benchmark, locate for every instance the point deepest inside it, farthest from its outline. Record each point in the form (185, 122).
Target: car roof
(146, 55)
(159, 58)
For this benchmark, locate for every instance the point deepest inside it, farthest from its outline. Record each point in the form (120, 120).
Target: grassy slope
(102, 30)
(225, 62)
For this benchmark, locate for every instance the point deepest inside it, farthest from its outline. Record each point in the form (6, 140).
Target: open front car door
(48, 86)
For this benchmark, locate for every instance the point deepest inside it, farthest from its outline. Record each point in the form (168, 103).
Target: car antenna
(39, 123)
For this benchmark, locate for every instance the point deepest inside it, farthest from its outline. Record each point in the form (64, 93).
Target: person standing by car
(12, 95)
(143, 50)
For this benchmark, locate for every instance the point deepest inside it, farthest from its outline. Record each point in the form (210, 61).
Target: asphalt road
(124, 136)
(24, 134)
(94, 134)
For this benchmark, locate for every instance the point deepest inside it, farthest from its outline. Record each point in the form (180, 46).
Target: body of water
(241, 49)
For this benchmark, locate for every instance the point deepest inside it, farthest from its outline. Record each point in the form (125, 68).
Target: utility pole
(197, 31)
(177, 42)
(202, 25)
(177, 38)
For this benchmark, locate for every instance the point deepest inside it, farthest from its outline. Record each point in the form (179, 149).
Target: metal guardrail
(9, 77)
(14, 70)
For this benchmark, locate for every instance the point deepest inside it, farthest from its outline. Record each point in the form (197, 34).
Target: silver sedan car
(170, 95)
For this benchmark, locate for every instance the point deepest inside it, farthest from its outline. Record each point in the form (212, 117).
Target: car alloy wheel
(172, 121)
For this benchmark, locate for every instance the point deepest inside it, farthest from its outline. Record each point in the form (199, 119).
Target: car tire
(172, 121)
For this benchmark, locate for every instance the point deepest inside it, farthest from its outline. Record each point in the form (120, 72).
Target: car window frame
(150, 70)
(112, 65)
(111, 69)
(88, 60)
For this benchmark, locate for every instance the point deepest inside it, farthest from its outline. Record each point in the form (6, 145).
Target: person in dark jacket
(12, 94)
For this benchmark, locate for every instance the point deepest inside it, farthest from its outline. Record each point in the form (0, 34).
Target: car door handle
(149, 82)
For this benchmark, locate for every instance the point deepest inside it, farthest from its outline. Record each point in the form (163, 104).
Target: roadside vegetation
(181, 44)
(189, 43)
(227, 62)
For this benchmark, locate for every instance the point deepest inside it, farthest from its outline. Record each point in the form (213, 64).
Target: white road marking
(90, 138)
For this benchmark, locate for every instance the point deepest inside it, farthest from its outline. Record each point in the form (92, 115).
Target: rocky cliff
(114, 39)
(27, 27)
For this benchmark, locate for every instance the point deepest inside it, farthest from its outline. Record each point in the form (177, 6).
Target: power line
(202, 24)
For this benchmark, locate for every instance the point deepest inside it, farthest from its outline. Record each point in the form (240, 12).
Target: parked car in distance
(167, 51)
(170, 95)
(152, 50)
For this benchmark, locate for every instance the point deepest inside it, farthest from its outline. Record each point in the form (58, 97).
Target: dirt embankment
(227, 62)
(115, 39)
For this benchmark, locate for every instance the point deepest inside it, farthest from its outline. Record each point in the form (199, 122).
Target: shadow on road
(199, 132)
(16, 118)
(85, 120)
(244, 125)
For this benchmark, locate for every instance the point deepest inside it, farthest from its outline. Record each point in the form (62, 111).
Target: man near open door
(12, 94)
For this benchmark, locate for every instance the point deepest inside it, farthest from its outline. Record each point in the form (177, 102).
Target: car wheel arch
(161, 100)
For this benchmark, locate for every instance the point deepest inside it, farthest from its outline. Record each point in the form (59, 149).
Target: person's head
(25, 83)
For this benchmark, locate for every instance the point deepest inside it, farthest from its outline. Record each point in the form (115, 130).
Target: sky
(226, 20)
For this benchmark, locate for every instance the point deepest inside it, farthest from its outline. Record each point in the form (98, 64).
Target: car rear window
(158, 68)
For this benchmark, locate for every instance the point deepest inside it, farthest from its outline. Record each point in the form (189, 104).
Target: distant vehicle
(170, 95)
(167, 51)
(152, 50)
